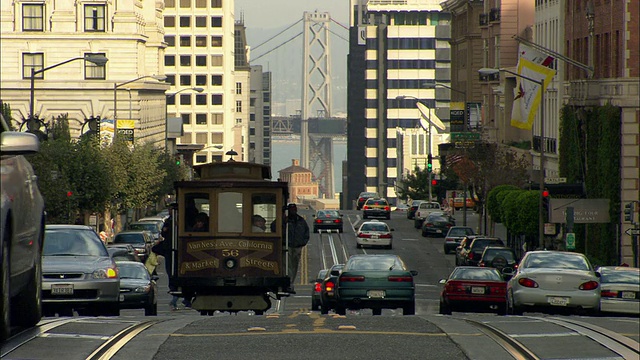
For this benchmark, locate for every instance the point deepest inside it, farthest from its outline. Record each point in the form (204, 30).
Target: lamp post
(402, 97)
(98, 60)
(166, 112)
(115, 97)
(465, 127)
(488, 71)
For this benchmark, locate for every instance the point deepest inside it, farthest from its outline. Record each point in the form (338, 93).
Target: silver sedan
(553, 280)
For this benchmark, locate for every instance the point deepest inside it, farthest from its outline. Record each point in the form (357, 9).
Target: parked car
(411, 213)
(374, 233)
(327, 220)
(317, 289)
(328, 295)
(141, 240)
(463, 248)
(138, 289)
(154, 227)
(436, 224)
(619, 289)
(459, 202)
(21, 232)
(362, 198)
(553, 280)
(424, 209)
(376, 207)
(78, 273)
(472, 255)
(471, 288)
(454, 237)
(402, 207)
(376, 282)
(123, 252)
(499, 257)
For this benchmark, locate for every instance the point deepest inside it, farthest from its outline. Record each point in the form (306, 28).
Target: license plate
(121, 298)
(558, 301)
(374, 236)
(477, 290)
(328, 221)
(375, 293)
(439, 231)
(628, 295)
(62, 289)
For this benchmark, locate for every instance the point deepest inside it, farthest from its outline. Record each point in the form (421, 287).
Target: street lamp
(99, 60)
(115, 97)
(166, 117)
(489, 71)
(464, 93)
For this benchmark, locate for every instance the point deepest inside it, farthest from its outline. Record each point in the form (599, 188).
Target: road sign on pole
(632, 232)
(571, 241)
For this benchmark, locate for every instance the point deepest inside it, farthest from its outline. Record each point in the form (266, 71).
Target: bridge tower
(316, 98)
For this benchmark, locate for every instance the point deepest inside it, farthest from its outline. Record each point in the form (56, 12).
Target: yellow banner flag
(527, 94)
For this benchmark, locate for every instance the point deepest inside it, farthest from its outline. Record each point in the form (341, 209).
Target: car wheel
(457, 262)
(446, 251)
(409, 309)
(390, 246)
(341, 310)
(423, 233)
(444, 308)
(389, 217)
(376, 312)
(358, 246)
(324, 310)
(5, 318)
(315, 305)
(67, 312)
(512, 309)
(315, 230)
(340, 230)
(28, 309)
(502, 309)
(111, 310)
(365, 216)
(151, 310)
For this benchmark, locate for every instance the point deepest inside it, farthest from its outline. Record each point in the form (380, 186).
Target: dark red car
(471, 288)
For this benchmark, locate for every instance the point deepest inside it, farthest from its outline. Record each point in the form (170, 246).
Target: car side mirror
(335, 272)
(442, 281)
(392, 229)
(314, 215)
(598, 275)
(414, 272)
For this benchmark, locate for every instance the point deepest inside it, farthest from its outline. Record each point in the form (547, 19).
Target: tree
(5, 110)
(493, 204)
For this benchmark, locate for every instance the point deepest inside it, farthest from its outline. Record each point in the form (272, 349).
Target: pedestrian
(298, 237)
(103, 235)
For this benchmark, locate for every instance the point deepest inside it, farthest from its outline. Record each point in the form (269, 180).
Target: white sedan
(548, 280)
(374, 233)
(620, 289)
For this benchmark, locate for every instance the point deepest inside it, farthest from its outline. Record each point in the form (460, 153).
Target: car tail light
(589, 285)
(449, 225)
(609, 294)
(337, 221)
(455, 288)
(348, 278)
(470, 256)
(386, 208)
(329, 286)
(361, 199)
(428, 225)
(365, 207)
(526, 282)
(385, 236)
(400, 278)
(449, 240)
(498, 290)
(363, 235)
(318, 221)
(317, 287)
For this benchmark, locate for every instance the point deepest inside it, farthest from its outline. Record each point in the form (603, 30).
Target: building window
(169, 21)
(216, 21)
(216, 119)
(216, 99)
(32, 17)
(201, 4)
(216, 60)
(238, 106)
(201, 60)
(201, 99)
(186, 118)
(171, 100)
(93, 71)
(170, 40)
(201, 41)
(201, 158)
(185, 60)
(169, 60)
(216, 80)
(216, 3)
(94, 17)
(266, 97)
(238, 88)
(185, 80)
(185, 4)
(201, 119)
(169, 4)
(185, 41)
(239, 121)
(252, 131)
(216, 41)
(201, 21)
(33, 61)
(201, 80)
(171, 79)
(185, 99)
(185, 21)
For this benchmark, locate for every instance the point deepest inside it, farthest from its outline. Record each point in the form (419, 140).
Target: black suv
(499, 257)
(472, 256)
(362, 198)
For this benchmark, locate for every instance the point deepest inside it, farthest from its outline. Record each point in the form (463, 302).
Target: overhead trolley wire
(271, 38)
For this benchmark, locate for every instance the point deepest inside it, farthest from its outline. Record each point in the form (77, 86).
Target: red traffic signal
(69, 193)
(434, 182)
(545, 193)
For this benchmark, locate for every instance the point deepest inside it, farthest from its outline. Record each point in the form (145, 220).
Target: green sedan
(376, 282)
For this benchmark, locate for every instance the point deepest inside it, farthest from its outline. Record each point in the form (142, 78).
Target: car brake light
(455, 287)
(449, 240)
(449, 225)
(329, 286)
(318, 221)
(351, 278)
(589, 285)
(428, 225)
(470, 256)
(526, 282)
(362, 235)
(609, 294)
(365, 207)
(385, 236)
(498, 290)
(386, 208)
(337, 221)
(400, 278)
(317, 287)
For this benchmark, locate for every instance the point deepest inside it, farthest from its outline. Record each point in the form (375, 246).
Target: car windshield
(376, 202)
(460, 232)
(556, 261)
(328, 213)
(130, 271)
(382, 263)
(471, 273)
(144, 226)
(68, 242)
(620, 277)
(374, 227)
(482, 243)
(489, 255)
(129, 238)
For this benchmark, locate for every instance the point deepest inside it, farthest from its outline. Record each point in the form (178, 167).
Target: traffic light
(629, 212)
(434, 182)
(545, 200)
(179, 159)
(429, 163)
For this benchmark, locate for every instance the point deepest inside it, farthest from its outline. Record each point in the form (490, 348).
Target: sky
(264, 19)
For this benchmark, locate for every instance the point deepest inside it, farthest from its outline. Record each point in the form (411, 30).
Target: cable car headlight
(230, 263)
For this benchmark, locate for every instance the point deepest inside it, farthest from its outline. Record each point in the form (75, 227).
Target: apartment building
(52, 38)
(260, 116)
(200, 38)
(240, 131)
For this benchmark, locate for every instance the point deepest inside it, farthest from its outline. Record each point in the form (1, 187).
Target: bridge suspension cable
(275, 48)
(274, 36)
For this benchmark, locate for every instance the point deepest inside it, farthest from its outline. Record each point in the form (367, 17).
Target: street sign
(462, 136)
(571, 241)
(632, 232)
(555, 180)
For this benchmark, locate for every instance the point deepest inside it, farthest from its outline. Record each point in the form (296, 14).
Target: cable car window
(264, 211)
(230, 212)
(196, 209)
